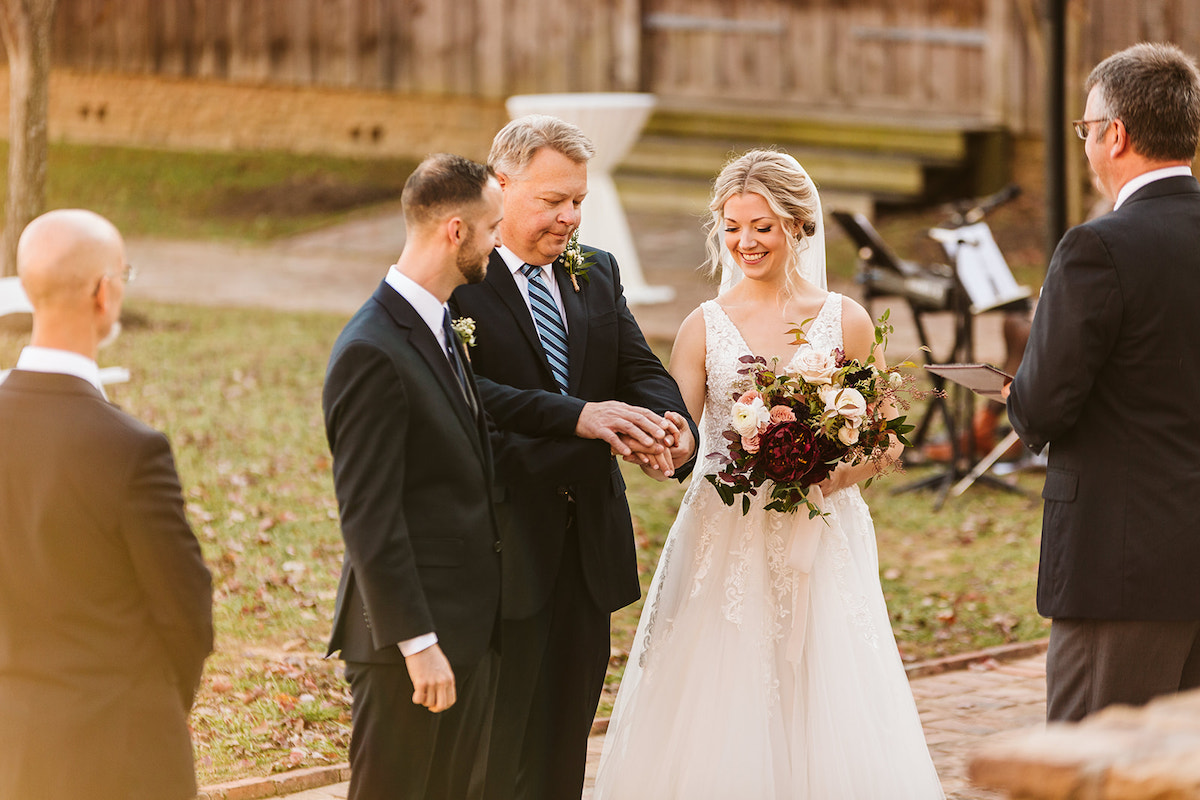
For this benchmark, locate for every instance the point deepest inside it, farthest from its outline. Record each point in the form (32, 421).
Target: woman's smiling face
(756, 237)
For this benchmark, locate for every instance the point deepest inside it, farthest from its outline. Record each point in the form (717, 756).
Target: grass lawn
(245, 196)
(238, 392)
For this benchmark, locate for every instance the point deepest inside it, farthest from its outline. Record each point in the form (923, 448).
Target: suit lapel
(500, 279)
(575, 306)
(426, 345)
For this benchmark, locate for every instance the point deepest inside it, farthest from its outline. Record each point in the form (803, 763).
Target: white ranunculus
(845, 402)
(748, 417)
(815, 366)
(896, 380)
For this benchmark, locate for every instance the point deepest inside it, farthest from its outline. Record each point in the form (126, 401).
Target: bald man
(105, 601)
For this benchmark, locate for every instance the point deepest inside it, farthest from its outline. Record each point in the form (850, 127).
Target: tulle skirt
(711, 706)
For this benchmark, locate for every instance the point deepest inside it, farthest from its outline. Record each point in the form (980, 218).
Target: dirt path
(336, 268)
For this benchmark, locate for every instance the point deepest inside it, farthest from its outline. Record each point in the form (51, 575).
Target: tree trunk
(25, 25)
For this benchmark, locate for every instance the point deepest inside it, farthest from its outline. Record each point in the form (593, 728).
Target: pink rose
(782, 414)
(749, 397)
(750, 443)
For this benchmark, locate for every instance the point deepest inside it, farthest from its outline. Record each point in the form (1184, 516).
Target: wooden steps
(854, 162)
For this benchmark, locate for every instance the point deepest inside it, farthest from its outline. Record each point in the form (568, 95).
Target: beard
(473, 266)
(111, 336)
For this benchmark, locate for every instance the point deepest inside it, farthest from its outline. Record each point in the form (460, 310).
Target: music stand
(962, 292)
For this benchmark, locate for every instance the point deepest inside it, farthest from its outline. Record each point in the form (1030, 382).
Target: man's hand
(432, 678)
(679, 446)
(615, 422)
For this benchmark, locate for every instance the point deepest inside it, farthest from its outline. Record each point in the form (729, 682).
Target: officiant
(1110, 381)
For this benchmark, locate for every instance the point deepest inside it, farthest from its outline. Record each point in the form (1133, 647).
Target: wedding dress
(711, 707)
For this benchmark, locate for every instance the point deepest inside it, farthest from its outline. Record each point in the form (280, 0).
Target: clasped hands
(638, 435)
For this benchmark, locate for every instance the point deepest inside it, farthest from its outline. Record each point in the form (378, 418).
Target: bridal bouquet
(792, 430)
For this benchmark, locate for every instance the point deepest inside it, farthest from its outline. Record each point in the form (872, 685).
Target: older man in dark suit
(105, 601)
(1111, 380)
(418, 603)
(562, 362)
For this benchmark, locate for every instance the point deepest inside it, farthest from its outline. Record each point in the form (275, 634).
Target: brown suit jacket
(105, 601)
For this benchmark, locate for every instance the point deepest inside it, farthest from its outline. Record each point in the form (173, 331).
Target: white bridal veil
(810, 250)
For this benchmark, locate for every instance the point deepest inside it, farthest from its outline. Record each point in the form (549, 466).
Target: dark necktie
(452, 354)
(549, 325)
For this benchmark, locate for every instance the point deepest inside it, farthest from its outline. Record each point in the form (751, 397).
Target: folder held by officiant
(982, 379)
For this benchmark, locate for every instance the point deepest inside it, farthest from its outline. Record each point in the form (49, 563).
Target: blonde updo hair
(778, 179)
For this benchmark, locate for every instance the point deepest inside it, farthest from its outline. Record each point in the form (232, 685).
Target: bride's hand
(842, 477)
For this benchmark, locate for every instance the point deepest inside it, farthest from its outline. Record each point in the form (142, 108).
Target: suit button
(498, 546)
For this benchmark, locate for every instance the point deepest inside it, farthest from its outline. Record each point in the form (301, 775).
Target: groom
(560, 361)
(1111, 380)
(417, 606)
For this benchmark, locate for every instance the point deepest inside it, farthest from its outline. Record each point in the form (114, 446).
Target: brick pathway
(959, 710)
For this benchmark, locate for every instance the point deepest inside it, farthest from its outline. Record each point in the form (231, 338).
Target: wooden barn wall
(974, 60)
(482, 48)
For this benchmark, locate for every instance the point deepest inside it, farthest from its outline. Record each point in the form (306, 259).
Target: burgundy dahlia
(791, 452)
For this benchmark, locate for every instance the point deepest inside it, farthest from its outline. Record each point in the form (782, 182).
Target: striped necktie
(549, 324)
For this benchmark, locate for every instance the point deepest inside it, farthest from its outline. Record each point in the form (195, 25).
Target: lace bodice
(724, 345)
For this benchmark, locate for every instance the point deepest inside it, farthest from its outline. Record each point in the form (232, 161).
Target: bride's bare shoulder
(692, 328)
(858, 329)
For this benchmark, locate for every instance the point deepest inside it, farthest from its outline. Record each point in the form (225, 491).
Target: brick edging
(1003, 652)
(298, 780)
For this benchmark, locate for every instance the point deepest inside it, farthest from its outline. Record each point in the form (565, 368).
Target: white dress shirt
(514, 264)
(430, 310)
(61, 362)
(1148, 177)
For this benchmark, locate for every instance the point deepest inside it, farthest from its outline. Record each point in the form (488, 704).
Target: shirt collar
(511, 260)
(62, 362)
(429, 308)
(1146, 178)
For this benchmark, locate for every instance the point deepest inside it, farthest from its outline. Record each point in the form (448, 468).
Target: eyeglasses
(128, 274)
(1081, 126)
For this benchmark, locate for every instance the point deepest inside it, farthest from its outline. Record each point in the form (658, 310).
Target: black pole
(1056, 118)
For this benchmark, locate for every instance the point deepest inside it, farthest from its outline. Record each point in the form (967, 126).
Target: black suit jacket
(105, 601)
(1111, 380)
(546, 467)
(413, 474)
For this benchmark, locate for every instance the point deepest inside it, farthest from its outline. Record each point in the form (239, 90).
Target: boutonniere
(576, 261)
(464, 327)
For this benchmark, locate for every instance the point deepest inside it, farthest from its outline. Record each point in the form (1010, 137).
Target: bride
(714, 702)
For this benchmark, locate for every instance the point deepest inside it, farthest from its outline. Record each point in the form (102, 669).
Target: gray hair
(520, 140)
(1154, 89)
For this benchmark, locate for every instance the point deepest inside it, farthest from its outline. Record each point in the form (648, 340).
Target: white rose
(748, 417)
(895, 379)
(848, 434)
(814, 366)
(848, 403)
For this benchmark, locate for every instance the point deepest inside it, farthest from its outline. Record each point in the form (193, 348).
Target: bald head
(63, 254)
(70, 263)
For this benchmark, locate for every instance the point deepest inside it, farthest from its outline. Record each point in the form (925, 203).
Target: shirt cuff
(410, 647)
